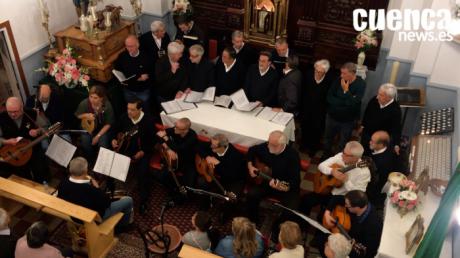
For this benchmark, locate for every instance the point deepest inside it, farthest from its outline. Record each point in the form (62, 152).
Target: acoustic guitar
(323, 184)
(342, 224)
(205, 170)
(172, 166)
(123, 139)
(88, 125)
(19, 154)
(264, 173)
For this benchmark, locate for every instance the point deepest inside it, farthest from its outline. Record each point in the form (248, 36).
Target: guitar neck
(348, 168)
(265, 176)
(342, 230)
(217, 183)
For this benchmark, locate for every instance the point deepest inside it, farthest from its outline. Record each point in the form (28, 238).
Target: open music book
(112, 164)
(223, 101)
(281, 118)
(60, 150)
(310, 221)
(195, 96)
(177, 105)
(121, 76)
(241, 102)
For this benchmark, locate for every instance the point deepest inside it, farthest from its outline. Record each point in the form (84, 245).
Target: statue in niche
(265, 10)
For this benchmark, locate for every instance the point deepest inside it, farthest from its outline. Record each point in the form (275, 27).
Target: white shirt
(320, 80)
(264, 72)
(379, 151)
(228, 68)
(138, 119)
(358, 178)
(286, 71)
(135, 55)
(297, 252)
(223, 153)
(386, 105)
(157, 41)
(45, 105)
(237, 50)
(79, 181)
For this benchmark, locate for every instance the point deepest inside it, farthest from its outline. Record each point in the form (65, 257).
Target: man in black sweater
(190, 33)
(201, 70)
(134, 62)
(280, 54)
(180, 143)
(244, 53)
(82, 190)
(262, 81)
(289, 87)
(382, 113)
(134, 133)
(344, 100)
(284, 162)
(171, 74)
(230, 73)
(155, 42)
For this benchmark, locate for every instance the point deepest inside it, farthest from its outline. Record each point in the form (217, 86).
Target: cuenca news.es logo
(408, 25)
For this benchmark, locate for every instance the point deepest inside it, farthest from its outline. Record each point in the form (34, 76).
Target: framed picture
(415, 234)
(12, 79)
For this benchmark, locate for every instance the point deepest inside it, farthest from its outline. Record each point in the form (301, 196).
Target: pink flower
(410, 206)
(86, 77)
(66, 51)
(75, 74)
(401, 203)
(395, 197)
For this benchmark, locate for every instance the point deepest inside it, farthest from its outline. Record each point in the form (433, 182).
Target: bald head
(379, 140)
(277, 142)
(132, 45)
(14, 108)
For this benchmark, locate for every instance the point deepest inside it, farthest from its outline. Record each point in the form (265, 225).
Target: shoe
(142, 208)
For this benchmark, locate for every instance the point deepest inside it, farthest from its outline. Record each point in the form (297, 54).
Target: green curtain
(432, 242)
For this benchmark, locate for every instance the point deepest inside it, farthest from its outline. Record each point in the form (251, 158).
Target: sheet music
(190, 37)
(282, 118)
(267, 113)
(121, 76)
(312, 222)
(112, 164)
(171, 106)
(241, 101)
(104, 161)
(60, 150)
(209, 94)
(223, 101)
(185, 105)
(120, 167)
(194, 96)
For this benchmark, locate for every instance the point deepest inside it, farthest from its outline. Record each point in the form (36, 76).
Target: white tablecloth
(393, 241)
(240, 127)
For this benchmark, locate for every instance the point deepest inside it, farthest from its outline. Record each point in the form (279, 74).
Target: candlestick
(394, 72)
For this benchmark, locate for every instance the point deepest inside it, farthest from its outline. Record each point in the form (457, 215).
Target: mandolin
(19, 154)
(205, 170)
(264, 173)
(88, 125)
(123, 139)
(172, 166)
(323, 184)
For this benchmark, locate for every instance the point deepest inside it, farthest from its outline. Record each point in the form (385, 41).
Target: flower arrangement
(65, 70)
(182, 8)
(365, 40)
(405, 199)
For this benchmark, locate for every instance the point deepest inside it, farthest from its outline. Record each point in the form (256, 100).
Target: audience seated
(82, 190)
(262, 81)
(98, 111)
(6, 237)
(230, 73)
(382, 113)
(344, 107)
(337, 246)
(199, 237)
(33, 244)
(171, 74)
(290, 239)
(201, 70)
(280, 54)
(314, 105)
(155, 42)
(289, 86)
(244, 52)
(245, 241)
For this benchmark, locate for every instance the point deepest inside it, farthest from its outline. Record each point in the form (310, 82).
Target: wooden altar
(99, 52)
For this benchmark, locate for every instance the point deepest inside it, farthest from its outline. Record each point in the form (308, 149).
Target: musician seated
(180, 144)
(284, 163)
(82, 190)
(16, 123)
(96, 115)
(135, 139)
(337, 246)
(228, 165)
(355, 179)
(289, 238)
(366, 224)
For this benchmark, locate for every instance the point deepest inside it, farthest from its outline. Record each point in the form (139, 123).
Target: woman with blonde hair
(289, 238)
(246, 241)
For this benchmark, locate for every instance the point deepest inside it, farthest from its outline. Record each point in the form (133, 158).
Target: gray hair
(389, 89)
(355, 148)
(4, 219)
(324, 63)
(156, 25)
(339, 245)
(280, 40)
(78, 166)
(221, 139)
(174, 48)
(351, 67)
(197, 48)
(237, 33)
(282, 137)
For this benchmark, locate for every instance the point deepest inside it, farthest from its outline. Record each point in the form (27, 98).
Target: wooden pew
(193, 252)
(99, 237)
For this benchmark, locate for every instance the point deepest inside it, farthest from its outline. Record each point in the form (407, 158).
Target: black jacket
(168, 83)
(148, 45)
(137, 66)
(289, 92)
(231, 81)
(261, 88)
(201, 75)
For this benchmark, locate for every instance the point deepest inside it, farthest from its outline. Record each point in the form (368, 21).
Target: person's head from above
(4, 219)
(201, 220)
(175, 51)
(277, 142)
(292, 62)
(352, 152)
(265, 58)
(134, 108)
(337, 246)
(379, 140)
(281, 46)
(289, 236)
(37, 235)
(14, 107)
(356, 202)
(44, 93)
(196, 53)
(348, 72)
(237, 39)
(158, 29)
(321, 68)
(219, 143)
(78, 168)
(387, 92)
(132, 45)
(228, 56)
(182, 126)
(184, 23)
(97, 95)
(244, 233)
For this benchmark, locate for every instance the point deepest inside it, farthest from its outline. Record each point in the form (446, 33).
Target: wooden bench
(188, 251)
(99, 237)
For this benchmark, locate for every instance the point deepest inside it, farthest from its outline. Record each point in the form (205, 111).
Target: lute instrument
(19, 154)
(123, 139)
(264, 173)
(172, 166)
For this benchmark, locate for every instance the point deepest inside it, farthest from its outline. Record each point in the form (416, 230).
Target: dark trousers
(144, 178)
(334, 127)
(312, 127)
(35, 169)
(311, 200)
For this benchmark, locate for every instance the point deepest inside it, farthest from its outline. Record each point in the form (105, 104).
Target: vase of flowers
(405, 199)
(364, 41)
(65, 70)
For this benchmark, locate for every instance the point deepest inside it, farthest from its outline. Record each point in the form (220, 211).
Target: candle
(93, 12)
(83, 24)
(394, 72)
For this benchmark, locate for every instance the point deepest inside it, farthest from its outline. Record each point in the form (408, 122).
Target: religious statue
(265, 10)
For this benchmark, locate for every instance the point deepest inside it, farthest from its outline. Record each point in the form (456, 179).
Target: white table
(240, 127)
(393, 240)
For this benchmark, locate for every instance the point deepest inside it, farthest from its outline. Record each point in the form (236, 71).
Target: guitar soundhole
(10, 154)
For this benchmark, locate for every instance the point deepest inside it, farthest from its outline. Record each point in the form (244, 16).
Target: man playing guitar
(284, 163)
(135, 138)
(16, 123)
